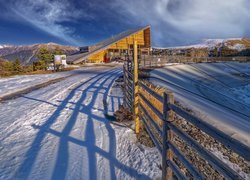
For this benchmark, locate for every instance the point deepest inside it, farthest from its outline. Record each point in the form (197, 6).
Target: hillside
(27, 53)
(1, 60)
(210, 47)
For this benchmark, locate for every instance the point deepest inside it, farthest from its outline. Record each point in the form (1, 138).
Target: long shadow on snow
(63, 154)
(32, 153)
(61, 164)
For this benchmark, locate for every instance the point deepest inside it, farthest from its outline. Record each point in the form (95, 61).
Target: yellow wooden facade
(143, 40)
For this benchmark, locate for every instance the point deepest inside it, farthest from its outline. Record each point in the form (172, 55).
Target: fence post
(167, 136)
(144, 60)
(125, 86)
(136, 89)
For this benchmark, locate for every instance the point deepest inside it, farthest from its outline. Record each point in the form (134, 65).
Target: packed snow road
(218, 93)
(61, 132)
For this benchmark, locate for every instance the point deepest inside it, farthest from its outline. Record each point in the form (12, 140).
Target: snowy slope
(61, 132)
(4, 46)
(214, 92)
(17, 83)
(20, 82)
(231, 43)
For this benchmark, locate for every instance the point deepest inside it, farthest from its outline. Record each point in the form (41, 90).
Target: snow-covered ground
(216, 92)
(242, 93)
(61, 132)
(16, 83)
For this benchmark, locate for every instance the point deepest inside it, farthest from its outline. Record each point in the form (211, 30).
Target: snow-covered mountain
(27, 53)
(231, 43)
(4, 46)
(210, 47)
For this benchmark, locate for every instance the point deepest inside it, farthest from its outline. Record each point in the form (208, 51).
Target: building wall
(143, 40)
(99, 57)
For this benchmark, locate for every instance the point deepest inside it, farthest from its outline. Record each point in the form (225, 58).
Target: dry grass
(37, 72)
(155, 102)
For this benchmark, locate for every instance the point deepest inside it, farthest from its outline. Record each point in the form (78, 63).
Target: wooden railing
(128, 85)
(158, 60)
(156, 112)
(162, 136)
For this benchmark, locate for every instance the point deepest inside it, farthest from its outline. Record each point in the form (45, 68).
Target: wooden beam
(136, 90)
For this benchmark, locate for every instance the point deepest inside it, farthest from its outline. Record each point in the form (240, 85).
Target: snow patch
(4, 46)
(238, 47)
(233, 166)
(144, 159)
(243, 93)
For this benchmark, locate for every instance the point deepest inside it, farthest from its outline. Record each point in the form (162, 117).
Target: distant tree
(45, 57)
(39, 65)
(2, 67)
(8, 66)
(17, 67)
(27, 68)
(57, 51)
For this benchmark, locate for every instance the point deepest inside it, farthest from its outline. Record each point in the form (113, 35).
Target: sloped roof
(77, 58)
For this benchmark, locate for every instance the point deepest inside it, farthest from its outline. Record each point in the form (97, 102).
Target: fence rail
(220, 136)
(158, 120)
(159, 60)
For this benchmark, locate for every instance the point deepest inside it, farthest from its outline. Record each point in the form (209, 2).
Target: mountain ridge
(209, 47)
(27, 53)
(212, 43)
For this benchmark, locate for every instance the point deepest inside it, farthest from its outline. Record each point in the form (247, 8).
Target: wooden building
(115, 47)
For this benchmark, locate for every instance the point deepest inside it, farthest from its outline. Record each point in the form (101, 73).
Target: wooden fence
(156, 112)
(162, 134)
(158, 60)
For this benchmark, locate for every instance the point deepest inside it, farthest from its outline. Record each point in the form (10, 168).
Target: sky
(85, 22)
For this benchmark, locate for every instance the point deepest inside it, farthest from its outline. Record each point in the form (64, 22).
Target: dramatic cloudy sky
(83, 22)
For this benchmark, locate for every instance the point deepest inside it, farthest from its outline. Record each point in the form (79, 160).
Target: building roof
(77, 58)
